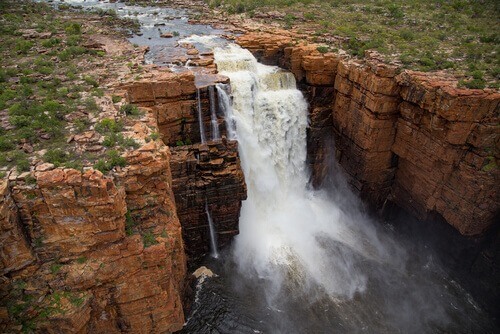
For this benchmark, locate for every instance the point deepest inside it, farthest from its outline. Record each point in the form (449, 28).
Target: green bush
(51, 42)
(129, 223)
(23, 46)
(6, 144)
(130, 110)
(108, 125)
(322, 49)
(149, 239)
(113, 159)
(73, 28)
(56, 156)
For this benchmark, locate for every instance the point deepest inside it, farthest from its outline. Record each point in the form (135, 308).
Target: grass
(130, 223)
(149, 239)
(459, 36)
(43, 81)
(112, 160)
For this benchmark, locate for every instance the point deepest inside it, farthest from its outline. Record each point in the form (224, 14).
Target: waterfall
(227, 109)
(286, 230)
(213, 115)
(203, 139)
(213, 238)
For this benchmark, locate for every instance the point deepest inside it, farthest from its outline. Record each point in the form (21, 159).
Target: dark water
(419, 297)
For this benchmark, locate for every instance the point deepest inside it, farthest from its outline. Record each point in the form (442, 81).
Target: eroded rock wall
(174, 100)
(410, 138)
(84, 252)
(207, 175)
(203, 174)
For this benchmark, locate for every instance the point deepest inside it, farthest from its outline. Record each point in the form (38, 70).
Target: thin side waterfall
(226, 106)
(213, 115)
(203, 138)
(213, 237)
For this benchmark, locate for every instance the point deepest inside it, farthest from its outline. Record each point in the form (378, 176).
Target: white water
(226, 107)
(286, 230)
(213, 115)
(203, 138)
(213, 238)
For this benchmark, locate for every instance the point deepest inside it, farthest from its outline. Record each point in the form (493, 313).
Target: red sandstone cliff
(412, 138)
(84, 252)
(202, 173)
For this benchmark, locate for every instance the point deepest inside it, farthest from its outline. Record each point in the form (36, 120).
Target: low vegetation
(460, 36)
(48, 91)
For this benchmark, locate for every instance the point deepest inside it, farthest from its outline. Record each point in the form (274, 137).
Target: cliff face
(203, 174)
(207, 175)
(411, 138)
(87, 253)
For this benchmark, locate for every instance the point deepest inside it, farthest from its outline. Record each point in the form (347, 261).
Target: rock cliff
(411, 138)
(85, 252)
(203, 174)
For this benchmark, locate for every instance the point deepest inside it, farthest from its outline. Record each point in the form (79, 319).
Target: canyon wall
(84, 252)
(410, 138)
(203, 174)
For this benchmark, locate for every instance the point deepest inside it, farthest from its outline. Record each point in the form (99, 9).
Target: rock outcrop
(411, 138)
(203, 174)
(84, 252)
(174, 99)
(207, 176)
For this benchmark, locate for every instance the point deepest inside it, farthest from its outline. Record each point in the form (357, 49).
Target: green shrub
(113, 159)
(55, 268)
(130, 110)
(56, 156)
(129, 223)
(6, 144)
(73, 28)
(108, 125)
(322, 49)
(51, 42)
(116, 98)
(23, 46)
(149, 239)
(91, 81)
(475, 84)
(154, 136)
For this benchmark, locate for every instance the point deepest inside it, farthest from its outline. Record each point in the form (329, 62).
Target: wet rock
(203, 271)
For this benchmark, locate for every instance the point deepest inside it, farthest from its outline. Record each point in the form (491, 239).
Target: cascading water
(284, 227)
(213, 238)
(203, 138)
(226, 107)
(213, 115)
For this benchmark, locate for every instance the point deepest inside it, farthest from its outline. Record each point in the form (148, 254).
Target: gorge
(266, 164)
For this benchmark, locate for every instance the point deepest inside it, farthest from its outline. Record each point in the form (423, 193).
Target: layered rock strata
(203, 174)
(207, 176)
(174, 99)
(84, 252)
(411, 138)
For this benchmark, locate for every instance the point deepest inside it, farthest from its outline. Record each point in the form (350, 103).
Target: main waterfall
(286, 230)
